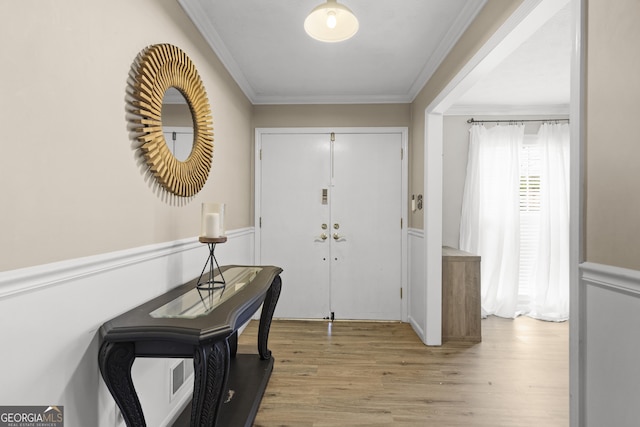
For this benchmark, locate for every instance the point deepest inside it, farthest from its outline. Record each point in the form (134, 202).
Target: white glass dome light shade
(318, 23)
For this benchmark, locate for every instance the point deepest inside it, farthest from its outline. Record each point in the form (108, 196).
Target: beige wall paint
(490, 18)
(612, 142)
(350, 115)
(72, 187)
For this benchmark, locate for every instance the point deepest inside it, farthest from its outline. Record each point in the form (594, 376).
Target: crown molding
(331, 99)
(457, 29)
(199, 18)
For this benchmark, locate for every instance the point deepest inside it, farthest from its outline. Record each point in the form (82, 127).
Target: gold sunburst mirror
(157, 69)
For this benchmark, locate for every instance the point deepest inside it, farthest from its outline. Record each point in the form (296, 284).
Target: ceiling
(534, 78)
(399, 45)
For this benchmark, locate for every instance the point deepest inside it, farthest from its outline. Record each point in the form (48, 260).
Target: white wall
(609, 327)
(51, 314)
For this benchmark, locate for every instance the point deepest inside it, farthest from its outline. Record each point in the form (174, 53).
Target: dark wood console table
(202, 324)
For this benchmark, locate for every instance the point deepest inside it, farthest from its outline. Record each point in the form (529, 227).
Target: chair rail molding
(14, 282)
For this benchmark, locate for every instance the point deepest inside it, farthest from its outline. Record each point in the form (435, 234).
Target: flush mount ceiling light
(331, 22)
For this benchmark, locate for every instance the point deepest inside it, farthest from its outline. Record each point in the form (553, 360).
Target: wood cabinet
(461, 312)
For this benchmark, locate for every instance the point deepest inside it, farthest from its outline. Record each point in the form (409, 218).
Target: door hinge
(260, 155)
(400, 293)
(260, 222)
(401, 223)
(401, 153)
(333, 136)
(333, 316)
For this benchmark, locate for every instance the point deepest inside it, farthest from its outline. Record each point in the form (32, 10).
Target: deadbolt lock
(324, 226)
(336, 226)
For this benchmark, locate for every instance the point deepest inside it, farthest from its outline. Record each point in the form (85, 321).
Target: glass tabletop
(200, 302)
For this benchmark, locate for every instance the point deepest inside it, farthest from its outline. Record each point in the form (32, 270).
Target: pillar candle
(212, 225)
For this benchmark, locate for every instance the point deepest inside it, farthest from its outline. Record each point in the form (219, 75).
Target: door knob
(336, 236)
(323, 236)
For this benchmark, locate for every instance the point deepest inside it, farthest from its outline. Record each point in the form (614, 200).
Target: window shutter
(530, 170)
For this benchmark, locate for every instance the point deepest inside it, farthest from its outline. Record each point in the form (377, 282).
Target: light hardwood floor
(380, 374)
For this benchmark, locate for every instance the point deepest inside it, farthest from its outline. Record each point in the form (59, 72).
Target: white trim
(609, 297)
(416, 281)
(199, 18)
(344, 130)
(417, 328)
(456, 30)
(577, 301)
(616, 279)
(416, 232)
(433, 227)
(329, 99)
(404, 191)
(14, 282)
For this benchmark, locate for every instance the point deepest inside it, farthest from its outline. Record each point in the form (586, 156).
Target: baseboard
(417, 329)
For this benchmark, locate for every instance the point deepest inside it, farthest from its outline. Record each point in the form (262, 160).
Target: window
(530, 168)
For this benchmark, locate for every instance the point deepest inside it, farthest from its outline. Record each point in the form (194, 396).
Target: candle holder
(212, 220)
(209, 283)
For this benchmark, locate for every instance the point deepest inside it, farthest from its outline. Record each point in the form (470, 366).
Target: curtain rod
(472, 120)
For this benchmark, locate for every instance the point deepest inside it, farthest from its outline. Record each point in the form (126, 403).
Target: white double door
(331, 215)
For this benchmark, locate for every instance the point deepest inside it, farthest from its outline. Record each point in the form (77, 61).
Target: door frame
(403, 131)
(525, 20)
(522, 21)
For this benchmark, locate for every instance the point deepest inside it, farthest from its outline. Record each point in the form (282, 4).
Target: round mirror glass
(177, 124)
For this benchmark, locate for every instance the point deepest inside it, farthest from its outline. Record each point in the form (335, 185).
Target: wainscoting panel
(50, 316)
(417, 315)
(610, 331)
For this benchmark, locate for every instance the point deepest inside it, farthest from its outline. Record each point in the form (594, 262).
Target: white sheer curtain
(490, 223)
(549, 283)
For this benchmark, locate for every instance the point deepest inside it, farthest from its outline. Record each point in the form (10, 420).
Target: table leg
(211, 369)
(269, 306)
(115, 361)
(233, 344)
